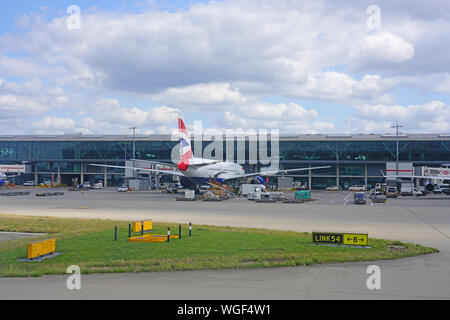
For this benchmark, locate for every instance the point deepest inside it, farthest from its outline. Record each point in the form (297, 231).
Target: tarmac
(423, 221)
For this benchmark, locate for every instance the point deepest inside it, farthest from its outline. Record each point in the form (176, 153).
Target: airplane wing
(156, 162)
(174, 173)
(272, 172)
(194, 162)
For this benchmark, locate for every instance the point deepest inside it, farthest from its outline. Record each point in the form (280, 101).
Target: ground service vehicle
(248, 188)
(378, 197)
(359, 198)
(258, 193)
(392, 192)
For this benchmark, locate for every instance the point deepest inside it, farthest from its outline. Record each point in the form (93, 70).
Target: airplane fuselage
(218, 171)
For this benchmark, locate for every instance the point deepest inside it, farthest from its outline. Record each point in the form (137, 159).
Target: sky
(300, 67)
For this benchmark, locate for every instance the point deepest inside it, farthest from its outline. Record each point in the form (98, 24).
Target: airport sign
(355, 239)
(346, 239)
(327, 238)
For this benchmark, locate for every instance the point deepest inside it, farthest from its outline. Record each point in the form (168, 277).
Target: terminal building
(353, 159)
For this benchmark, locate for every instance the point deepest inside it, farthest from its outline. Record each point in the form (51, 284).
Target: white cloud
(112, 111)
(280, 111)
(53, 124)
(287, 118)
(342, 88)
(444, 84)
(201, 96)
(222, 55)
(433, 116)
(29, 98)
(380, 48)
(217, 42)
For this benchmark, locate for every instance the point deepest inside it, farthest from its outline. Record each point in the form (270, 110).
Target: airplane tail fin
(185, 146)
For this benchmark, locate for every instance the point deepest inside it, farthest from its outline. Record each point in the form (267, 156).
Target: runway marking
(428, 223)
(312, 284)
(346, 199)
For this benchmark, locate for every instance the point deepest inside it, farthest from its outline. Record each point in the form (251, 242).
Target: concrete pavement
(424, 221)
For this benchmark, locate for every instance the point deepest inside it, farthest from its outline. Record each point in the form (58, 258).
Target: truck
(407, 189)
(259, 192)
(248, 188)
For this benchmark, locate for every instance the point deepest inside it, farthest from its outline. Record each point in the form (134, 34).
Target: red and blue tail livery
(185, 147)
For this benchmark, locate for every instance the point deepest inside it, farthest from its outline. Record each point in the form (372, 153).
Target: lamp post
(134, 146)
(397, 127)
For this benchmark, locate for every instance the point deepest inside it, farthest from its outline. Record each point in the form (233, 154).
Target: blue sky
(300, 67)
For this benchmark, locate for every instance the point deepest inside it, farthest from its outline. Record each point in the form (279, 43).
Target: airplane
(194, 171)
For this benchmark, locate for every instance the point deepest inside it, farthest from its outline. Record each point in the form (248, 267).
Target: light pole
(397, 127)
(134, 145)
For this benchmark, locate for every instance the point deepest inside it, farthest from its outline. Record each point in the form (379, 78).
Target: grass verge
(90, 244)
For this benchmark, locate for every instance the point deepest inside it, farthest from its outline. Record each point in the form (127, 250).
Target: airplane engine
(261, 180)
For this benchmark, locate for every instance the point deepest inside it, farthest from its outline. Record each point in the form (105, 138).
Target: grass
(90, 244)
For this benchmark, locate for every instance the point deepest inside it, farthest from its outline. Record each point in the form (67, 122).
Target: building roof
(283, 137)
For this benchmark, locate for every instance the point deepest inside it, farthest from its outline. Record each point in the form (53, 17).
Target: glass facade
(351, 161)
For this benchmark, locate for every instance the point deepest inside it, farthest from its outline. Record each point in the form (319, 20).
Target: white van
(357, 188)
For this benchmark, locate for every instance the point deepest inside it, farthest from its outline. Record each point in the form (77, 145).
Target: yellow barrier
(151, 238)
(40, 248)
(148, 225)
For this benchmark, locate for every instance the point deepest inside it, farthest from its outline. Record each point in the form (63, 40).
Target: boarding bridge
(15, 168)
(405, 170)
(439, 172)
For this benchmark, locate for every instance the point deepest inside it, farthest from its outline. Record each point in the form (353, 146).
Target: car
(122, 189)
(378, 197)
(374, 193)
(437, 190)
(359, 198)
(334, 188)
(357, 188)
(29, 184)
(98, 185)
(392, 192)
(417, 192)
